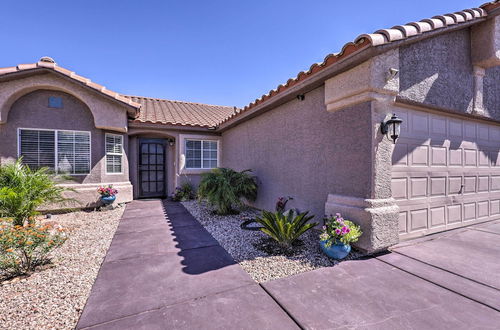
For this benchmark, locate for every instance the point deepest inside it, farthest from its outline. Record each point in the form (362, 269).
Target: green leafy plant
(23, 191)
(22, 248)
(339, 230)
(184, 192)
(224, 188)
(285, 228)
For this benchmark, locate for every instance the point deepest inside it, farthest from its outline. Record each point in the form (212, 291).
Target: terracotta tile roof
(379, 38)
(180, 113)
(47, 63)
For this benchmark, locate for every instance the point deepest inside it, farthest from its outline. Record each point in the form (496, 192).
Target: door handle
(461, 192)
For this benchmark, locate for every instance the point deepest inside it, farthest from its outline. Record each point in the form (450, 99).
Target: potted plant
(337, 236)
(108, 194)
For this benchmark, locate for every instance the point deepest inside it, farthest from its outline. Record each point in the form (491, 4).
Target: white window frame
(201, 159)
(113, 153)
(56, 151)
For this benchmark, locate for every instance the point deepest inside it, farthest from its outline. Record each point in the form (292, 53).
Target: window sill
(196, 170)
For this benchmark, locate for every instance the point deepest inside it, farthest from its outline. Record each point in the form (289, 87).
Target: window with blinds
(201, 154)
(114, 153)
(64, 152)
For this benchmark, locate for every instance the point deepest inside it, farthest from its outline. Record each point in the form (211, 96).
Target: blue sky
(215, 52)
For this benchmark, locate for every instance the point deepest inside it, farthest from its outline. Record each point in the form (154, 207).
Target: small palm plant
(224, 188)
(285, 228)
(23, 191)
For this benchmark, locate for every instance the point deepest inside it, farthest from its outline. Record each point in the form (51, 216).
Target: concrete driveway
(165, 271)
(445, 281)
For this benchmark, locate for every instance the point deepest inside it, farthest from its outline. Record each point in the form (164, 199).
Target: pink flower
(337, 231)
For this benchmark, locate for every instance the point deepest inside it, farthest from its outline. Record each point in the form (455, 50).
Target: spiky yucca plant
(285, 228)
(23, 191)
(223, 188)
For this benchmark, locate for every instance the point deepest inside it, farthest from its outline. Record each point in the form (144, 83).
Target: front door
(151, 168)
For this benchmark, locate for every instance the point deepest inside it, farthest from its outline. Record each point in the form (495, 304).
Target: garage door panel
(438, 186)
(469, 211)
(400, 155)
(495, 207)
(495, 183)
(418, 219)
(399, 188)
(470, 157)
(438, 156)
(469, 185)
(455, 157)
(446, 173)
(419, 155)
(418, 187)
(403, 217)
(438, 217)
(483, 209)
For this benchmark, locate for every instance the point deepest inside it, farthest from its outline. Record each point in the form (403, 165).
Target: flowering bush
(107, 191)
(22, 248)
(184, 192)
(339, 230)
(281, 203)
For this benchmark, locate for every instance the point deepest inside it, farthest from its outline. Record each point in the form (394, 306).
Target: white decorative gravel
(242, 245)
(53, 298)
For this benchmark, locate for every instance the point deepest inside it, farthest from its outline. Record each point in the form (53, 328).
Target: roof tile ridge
(177, 101)
(379, 37)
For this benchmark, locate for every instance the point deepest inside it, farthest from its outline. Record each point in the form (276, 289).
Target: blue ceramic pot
(107, 200)
(336, 251)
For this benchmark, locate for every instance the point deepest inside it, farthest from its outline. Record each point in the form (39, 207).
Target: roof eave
(342, 65)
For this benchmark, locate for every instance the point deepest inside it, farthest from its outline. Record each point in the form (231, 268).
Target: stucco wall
(492, 92)
(301, 150)
(32, 111)
(438, 71)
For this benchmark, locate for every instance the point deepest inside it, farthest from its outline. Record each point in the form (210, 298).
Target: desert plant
(22, 248)
(285, 228)
(23, 191)
(339, 230)
(184, 192)
(223, 188)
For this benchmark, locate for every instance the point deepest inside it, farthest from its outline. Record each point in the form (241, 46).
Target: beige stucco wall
(32, 111)
(301, 150)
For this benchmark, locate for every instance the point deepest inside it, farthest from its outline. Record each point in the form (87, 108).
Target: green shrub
(23, 191)
(223, 188)
(285, 228)
(22, 248)
(184, 192)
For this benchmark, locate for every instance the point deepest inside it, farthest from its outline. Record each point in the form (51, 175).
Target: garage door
(445, 173)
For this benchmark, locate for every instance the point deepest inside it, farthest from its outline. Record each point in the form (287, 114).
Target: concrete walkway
(165, 271)
(444, 281)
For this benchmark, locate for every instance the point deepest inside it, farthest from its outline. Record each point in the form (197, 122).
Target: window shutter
(37, 148)
(114, 152)
(73, 152)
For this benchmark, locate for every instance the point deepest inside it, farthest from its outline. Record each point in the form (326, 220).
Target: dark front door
(152, 168)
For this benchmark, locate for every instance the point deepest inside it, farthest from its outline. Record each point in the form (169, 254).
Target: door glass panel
(152, 169)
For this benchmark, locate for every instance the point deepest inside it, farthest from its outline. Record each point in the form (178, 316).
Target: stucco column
(375, 81)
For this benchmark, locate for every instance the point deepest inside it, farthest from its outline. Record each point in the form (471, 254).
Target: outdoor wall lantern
(392, 127)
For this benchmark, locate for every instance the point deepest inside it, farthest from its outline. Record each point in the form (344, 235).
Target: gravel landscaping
(54, 296)
(254, 251)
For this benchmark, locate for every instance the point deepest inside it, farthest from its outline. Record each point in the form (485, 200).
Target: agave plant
(224, 188)
(285, 228)
(23, 191)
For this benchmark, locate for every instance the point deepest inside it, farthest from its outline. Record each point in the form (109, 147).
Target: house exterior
(317, 138)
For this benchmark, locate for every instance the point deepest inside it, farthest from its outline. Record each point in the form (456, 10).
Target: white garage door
(446, 172)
